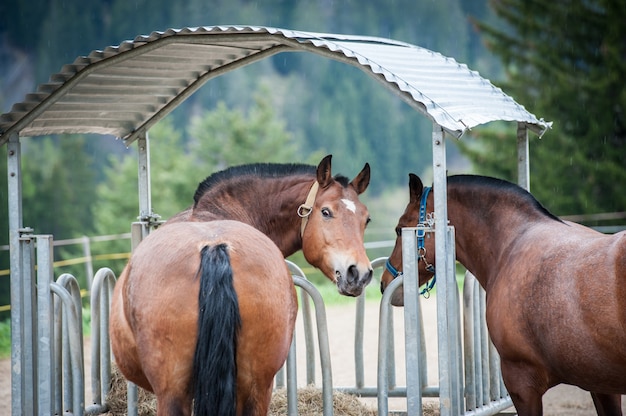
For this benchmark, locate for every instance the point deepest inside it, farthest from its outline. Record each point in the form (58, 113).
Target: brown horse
(204, 311)
(556, 291)
(298, 207)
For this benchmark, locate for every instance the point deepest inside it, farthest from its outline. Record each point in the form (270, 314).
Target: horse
(296, 206)
(299, 207)
(555, 290)
(204, 313)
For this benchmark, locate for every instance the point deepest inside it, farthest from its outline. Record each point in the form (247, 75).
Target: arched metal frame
(101, 94)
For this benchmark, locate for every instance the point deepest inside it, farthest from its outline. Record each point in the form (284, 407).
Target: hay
(310, 402)
(117, 401)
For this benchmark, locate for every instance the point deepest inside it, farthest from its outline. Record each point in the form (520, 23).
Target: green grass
(5, 338)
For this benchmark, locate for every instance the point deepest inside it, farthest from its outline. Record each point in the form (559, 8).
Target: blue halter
(421, 250)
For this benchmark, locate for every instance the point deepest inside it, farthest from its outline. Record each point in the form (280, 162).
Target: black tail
(214, 366)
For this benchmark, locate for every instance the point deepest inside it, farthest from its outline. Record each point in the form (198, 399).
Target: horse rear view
(204, 312)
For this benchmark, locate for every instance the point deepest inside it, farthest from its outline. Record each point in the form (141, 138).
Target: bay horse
(296, 206)
(299, 207)
(204, 312)
(555, 290)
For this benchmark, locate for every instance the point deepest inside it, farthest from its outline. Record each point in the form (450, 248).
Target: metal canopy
(125, 89)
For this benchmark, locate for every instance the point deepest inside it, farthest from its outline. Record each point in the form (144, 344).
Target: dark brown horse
(204, 311)
(556, 291)
(298, 207)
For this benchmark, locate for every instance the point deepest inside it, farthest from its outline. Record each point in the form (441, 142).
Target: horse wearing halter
(421, 250)
(304, 210)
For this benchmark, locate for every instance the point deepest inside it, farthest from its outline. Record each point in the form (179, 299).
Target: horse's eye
(326, 213)
(398, 231)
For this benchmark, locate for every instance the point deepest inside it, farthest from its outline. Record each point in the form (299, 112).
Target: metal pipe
(322, 335)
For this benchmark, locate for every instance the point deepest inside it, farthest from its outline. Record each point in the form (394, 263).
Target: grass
(5, 338)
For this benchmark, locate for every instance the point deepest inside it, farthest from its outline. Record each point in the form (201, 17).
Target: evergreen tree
(566, 62)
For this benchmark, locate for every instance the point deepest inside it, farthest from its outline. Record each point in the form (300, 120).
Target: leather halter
(304, 210)
(421, 250)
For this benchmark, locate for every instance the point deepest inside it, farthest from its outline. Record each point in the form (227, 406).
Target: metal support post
(411, 323)
(14, 185)
(24, 318)
(143, 177)
(148, 219)
(447, 306)
(45, 361)
(523, 158)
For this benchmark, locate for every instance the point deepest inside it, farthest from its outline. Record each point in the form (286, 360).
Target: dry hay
(117, 401)
(310, 401)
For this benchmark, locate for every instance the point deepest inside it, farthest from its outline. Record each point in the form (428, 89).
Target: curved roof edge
(123, 90)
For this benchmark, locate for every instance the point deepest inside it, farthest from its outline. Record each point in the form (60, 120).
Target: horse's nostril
(353, 274)
(382, 287)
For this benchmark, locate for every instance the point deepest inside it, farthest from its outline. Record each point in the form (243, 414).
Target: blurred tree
(566, 61)
(217, 139)
(224, 137)
(56, 183)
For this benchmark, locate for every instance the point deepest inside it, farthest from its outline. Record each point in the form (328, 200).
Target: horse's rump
(160, 289)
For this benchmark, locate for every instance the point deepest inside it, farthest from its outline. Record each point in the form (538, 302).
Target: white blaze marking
(350, 205)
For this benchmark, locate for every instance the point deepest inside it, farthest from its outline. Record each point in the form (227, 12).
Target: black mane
(259, 170)
(500, 185)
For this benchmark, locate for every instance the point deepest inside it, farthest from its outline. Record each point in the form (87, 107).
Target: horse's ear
(416, 187)
(362, 180)
(324, 175)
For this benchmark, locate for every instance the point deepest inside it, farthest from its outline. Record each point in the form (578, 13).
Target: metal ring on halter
(303, 208)
(307, 206)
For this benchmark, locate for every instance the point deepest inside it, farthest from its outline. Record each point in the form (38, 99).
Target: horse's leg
(253, 401)
(168, 405)
(522, 384)
(607, 404)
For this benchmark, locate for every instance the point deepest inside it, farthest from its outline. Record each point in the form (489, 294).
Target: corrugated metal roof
(125, 89)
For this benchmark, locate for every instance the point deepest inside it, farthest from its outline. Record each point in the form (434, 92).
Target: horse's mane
(500, 186)
(258, 170)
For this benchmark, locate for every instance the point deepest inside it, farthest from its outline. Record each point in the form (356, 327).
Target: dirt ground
(559, 401)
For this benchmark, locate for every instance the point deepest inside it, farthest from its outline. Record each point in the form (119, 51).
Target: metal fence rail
(485, 393)
(58, 366)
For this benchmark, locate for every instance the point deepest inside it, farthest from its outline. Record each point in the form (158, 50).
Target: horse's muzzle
(354, 281)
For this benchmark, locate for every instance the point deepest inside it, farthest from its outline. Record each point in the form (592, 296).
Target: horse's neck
(485, 228)
(268, 204)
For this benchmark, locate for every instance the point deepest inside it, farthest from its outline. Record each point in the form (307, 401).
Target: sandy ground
(559, 401)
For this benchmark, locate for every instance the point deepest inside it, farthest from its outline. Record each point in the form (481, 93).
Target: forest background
(564, 61)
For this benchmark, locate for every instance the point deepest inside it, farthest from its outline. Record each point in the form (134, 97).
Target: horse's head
(333, 229)
(410, 218)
